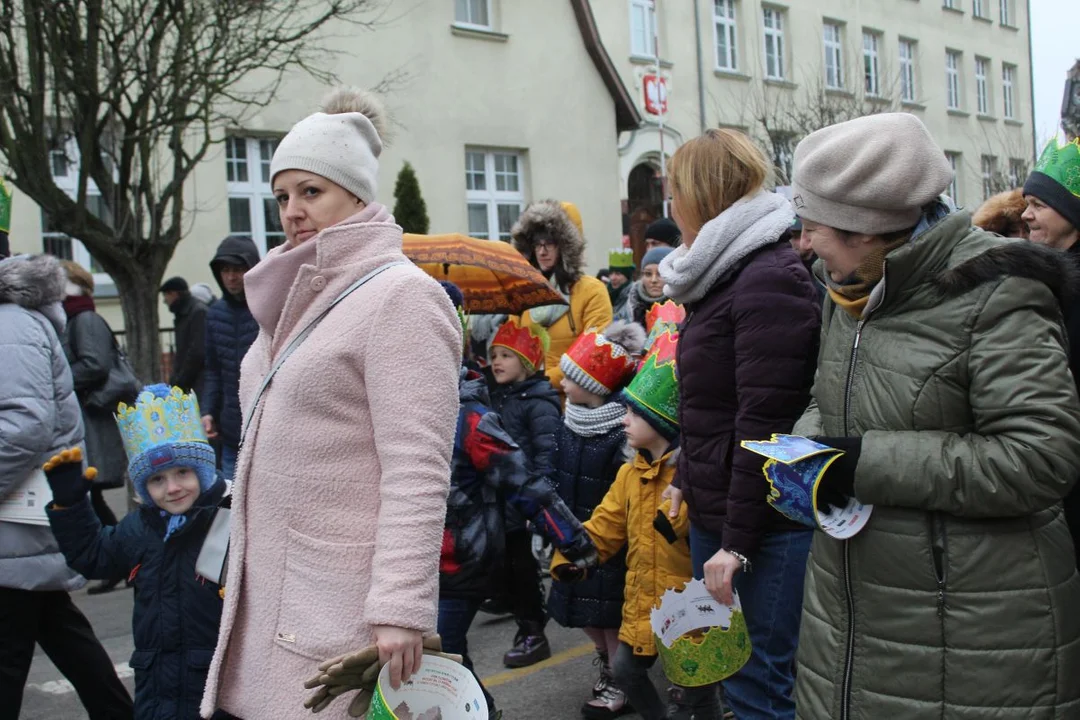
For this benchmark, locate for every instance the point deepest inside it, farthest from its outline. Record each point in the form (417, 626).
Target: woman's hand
(720, 571)
(673, 494)
(402, 648)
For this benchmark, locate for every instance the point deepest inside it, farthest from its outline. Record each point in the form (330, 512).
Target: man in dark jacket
(230, 331)
(190, 325)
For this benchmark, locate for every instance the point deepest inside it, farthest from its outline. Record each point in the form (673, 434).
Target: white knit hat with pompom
(342, 143)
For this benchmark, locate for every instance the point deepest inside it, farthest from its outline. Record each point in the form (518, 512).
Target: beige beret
(869, 175)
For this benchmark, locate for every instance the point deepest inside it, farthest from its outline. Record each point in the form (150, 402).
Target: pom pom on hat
(354, 100)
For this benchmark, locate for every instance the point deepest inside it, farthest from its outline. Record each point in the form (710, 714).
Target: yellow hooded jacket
(654, 563)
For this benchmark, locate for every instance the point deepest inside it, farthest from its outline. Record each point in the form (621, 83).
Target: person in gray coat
(91, 352)
(39, 416)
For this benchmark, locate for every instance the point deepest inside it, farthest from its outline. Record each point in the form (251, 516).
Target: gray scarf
(751, 223)
(547, 315)
(593, 422)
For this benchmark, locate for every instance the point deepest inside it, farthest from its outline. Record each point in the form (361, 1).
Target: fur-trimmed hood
(1001, 214)
(1054, 268)
(546, 218)
(32, 281)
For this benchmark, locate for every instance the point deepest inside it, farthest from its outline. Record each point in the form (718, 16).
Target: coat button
(318, 283)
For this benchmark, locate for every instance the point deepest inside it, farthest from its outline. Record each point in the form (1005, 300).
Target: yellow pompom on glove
(357, 671)
(67, 480)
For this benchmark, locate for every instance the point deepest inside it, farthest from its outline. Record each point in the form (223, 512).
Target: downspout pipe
(700, 74)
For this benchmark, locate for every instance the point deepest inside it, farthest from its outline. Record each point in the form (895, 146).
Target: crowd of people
(380, 461)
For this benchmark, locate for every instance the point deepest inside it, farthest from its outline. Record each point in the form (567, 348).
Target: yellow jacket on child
(654, 564)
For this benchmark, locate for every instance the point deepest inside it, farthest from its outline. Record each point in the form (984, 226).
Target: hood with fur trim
(32, 281)
(546, 218)
(1053, 268)
(1001, 214)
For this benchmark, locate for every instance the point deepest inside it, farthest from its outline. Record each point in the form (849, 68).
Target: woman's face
(689, 235)
(547, 253)
(309, 203)
(841, 252)
(1047, 226)
(651, 280)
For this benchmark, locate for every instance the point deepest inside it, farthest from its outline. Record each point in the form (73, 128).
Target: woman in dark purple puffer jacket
(747, 353)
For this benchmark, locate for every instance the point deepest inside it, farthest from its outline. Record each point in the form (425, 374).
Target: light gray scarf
(751, 223)
(547, 315)
(592, 422)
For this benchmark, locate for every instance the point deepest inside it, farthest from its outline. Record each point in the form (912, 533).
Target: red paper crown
(602, 361)
(669, 312)
(525, 340)
(664, 349)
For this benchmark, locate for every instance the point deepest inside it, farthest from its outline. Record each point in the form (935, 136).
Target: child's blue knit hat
(163, 430)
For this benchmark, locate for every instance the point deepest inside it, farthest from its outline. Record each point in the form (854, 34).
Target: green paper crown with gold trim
(621, 259)
(1062, 164)
(711, 641)
(654, 391)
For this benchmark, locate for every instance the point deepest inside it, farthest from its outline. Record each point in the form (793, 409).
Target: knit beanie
(1056, 179)
(870, 175)
(341, 144)
(665, 230)
(174, 284)
(654, 256)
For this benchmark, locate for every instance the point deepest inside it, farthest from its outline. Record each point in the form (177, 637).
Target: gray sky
(1055, 47)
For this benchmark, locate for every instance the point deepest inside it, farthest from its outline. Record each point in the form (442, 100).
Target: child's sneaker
(610, 703)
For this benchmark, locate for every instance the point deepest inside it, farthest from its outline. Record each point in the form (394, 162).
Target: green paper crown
(5, 207)
(621, 258)
(655, 388)
(1062, 164)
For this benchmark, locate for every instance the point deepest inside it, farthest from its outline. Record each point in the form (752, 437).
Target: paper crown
(794, 469)
(661, 318)
(701, 658)
(528, 342)
(621, 259)
(163, 430)
(1061, 163)
(654, 391)
(5, 207)
(597, 364)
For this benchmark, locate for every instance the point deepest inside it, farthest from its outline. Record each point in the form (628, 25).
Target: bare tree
(141, 89)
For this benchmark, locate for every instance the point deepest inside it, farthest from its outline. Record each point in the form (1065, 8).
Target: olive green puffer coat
(960, 599)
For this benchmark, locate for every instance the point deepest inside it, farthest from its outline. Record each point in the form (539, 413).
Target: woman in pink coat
(342, 477)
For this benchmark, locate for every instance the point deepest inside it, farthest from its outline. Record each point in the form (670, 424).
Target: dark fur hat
(546, 218)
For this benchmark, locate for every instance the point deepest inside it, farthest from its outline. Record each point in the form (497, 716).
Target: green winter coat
(960, 598)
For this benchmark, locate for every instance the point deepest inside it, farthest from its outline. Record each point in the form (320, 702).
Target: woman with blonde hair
(350, 401)
(746, 361)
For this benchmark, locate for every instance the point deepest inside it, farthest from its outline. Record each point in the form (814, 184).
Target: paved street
(552, 690)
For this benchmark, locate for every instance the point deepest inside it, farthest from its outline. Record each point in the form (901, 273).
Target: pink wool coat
(340, 493)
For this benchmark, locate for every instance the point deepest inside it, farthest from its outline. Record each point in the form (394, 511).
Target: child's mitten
(68, 482)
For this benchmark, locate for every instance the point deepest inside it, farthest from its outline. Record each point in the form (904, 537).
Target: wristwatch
(742, 559)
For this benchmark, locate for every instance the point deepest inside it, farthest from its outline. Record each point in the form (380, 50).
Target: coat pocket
(146, 692)
(320, 611)
(198, 666)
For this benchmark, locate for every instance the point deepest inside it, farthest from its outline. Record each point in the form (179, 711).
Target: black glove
(582, 553)
(838, 484)
(68, 482)
(568, 573)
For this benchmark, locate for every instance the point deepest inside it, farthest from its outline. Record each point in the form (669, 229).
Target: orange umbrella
(492, 275)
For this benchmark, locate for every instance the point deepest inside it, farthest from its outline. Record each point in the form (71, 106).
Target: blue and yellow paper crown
(162, 430)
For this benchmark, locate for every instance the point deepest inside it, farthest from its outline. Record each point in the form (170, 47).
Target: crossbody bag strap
(303, 334)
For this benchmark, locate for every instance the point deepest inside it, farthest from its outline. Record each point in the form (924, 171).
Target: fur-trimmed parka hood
(1001, 214)
(1054, 268)
(32, 281)
(546, 218)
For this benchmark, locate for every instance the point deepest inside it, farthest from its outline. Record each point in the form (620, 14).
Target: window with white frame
(476, 13)
(907, 70)
(951, 4)
(1006, 12)
(725, 28)
(952, 79)
(253, 211)
(988, 165)
(494, 191)
(978, 9)
(871, 66)
(642, 28)
(1018, 172)
(982, 92)
(64, 165)
(773, 21)
(953, 190)
(832, 35)
(1008, 74)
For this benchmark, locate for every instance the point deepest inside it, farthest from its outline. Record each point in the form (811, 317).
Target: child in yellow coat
(634, 514)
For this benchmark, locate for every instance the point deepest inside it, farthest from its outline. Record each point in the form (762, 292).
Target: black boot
(104, 586)
(700, 703)
(530, 647)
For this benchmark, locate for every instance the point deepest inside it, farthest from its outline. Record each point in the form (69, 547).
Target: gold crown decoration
(700, 640)
(161, 415)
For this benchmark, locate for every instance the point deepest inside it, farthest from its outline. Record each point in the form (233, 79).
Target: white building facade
(497, 103)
